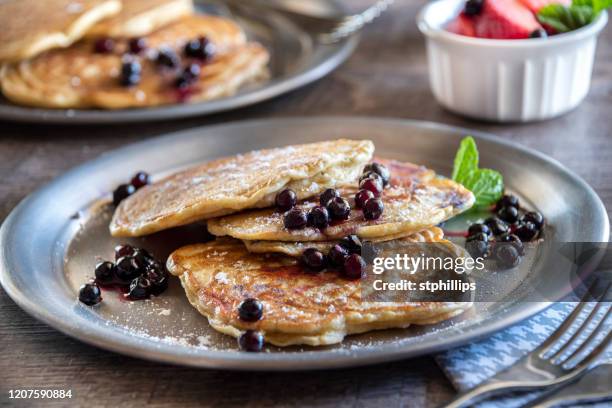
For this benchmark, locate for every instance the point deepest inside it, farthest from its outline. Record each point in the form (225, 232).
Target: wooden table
(387, 76)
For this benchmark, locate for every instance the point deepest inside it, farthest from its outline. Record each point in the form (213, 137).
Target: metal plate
(296, 60)
(50, 242)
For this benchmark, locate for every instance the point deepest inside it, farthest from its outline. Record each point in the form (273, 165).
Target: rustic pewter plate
(296, 59)
(50, 242)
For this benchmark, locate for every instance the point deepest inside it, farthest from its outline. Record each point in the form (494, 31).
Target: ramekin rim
(440, 33)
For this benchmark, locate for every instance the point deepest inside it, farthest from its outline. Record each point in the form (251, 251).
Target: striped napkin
(468, 366)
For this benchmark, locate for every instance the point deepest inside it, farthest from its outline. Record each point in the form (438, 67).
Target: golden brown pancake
(77, 77)
(295, 249)
(299, 307)
(234, 183)
(29, 27)
(410, 206)
(141, 17)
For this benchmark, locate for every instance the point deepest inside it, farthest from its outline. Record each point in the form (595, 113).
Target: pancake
(141, 17)
(231, 184)
(30, 27)
(295, 249)
(77, 77)
(299, 308)
(410, 205)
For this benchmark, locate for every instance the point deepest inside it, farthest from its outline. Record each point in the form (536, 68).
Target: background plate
(296, 60)
(50, 242)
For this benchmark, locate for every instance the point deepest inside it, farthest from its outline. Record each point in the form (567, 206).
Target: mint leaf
(487, 185)
(563, 19)
(466, 159)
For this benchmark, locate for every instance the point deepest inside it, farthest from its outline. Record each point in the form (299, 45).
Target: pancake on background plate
(299, 308)
(29, 27)
(410, 206)
(141, 17)
(235, 183)
(162, 73)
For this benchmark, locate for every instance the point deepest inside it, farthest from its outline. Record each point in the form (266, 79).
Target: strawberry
(463, 25)
(505, 19)
(536, 5)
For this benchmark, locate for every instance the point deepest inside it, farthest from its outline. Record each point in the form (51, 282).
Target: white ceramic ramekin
(507, 80)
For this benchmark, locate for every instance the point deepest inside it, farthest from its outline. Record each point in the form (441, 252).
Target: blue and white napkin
(468, 366)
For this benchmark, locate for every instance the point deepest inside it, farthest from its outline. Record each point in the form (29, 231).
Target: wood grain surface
(387, 76)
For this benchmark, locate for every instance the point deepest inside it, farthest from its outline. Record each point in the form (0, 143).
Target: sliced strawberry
(536, 5)
(463, 25)
(505, 19)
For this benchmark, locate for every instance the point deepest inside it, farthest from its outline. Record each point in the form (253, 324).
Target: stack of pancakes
(255, 256)
(48, 53)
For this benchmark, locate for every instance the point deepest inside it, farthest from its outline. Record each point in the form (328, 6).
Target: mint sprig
(567, 18)
(486, 184)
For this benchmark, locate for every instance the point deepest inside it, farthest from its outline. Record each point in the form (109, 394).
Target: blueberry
(497, 226)
(295, 219)
(188, 76)
(508, 214)
(122, 192)
(130, 73)
(251, 340)
(313, 260)
(142, 258)
(105, 272)
(478, 228)
(477, 248)
(167, 58)
(507, 200)
(375, 185)
(200, 48)
(285, 200)
(327, 196)
(354, 267)
(339, 209)
(158, 276)
(140, 180)
(371, 175)
(506, 256)
(538, 33)
(480, 236)
(318, 217)
(373, 209)
(362, 197)
(515, 241)
(123, 250)
(90, 294)
(526, 231)
(535, 217)
(352, 243)
(140, 288)
(379, 169)
(104, 45)
(127, 269)
(473, 7)
(337, 255)
(137, 45)
(250, 310)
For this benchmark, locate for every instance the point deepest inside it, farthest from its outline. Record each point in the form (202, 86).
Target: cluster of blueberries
(135, 272)
(123, 191)
(199, 49)
(511, 226)
(346, 255)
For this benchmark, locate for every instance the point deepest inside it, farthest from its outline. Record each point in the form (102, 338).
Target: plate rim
(265, 361)
(344, 49)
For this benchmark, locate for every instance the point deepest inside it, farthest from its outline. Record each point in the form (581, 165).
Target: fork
(326, 30)
(541, 369)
